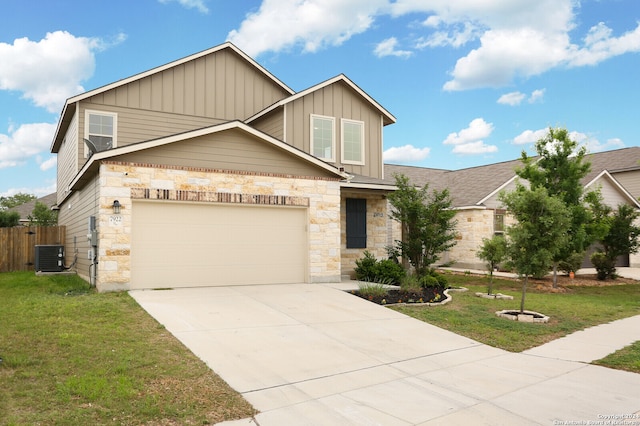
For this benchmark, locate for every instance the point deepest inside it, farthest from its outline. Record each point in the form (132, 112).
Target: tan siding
(611, 195)
(230, 150)
(339, 101)
(631, 181)
(68, 159)
(272, 124)
(220, 85)
(136, 125)
(74, 214)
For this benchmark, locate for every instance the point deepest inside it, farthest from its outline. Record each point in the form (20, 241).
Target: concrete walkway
(313, 355)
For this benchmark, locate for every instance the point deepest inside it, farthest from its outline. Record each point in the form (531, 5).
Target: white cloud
(312, 24)
(50, 163)
(49, 71)
(593, 144)
(388, 48)
(457, 37)
(25, 142)
(600, 45)
(405, 154)
(469, 141)
(38, 191)
(530, 136)
(516, 98)
(478, 129)
(512, 98)
(190, 4)
(536, 96)
(474, 148)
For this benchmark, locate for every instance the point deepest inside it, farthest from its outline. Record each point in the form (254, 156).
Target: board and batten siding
(68, 160)
(74, 214)
(340, 101)
(229, 150)
(220, 85)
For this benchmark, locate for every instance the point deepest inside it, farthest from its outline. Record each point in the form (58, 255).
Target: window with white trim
(352, 142)
(100, 128)
(323, 137)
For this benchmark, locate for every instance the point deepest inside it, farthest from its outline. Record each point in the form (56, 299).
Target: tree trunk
(490, 282)
(524, 291)
(555, 275)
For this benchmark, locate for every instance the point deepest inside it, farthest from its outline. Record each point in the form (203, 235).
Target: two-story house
(211, 171)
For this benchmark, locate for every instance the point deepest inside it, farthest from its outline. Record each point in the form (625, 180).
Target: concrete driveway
(308, 354)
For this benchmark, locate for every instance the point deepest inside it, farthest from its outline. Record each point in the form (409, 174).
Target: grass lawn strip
(627, 359)
(73, 356)
(570, 308)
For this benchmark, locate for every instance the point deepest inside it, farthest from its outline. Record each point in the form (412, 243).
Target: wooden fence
(18, 245)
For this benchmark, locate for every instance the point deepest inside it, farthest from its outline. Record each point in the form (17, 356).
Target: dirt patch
(565, 283)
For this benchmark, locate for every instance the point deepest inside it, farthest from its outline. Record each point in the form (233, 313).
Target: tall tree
(559, 168)
(539, 233)
(15, 200)
(427, 220)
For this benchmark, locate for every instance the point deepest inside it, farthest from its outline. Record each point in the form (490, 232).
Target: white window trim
(333, 136)
(87, 112)
(362, 144)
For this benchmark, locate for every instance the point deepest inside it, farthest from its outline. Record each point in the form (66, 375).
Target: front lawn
(73, 356)
(571, 308)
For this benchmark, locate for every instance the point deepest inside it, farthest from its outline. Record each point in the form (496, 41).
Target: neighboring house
(26, 209)
(475, 193)
(211, 171)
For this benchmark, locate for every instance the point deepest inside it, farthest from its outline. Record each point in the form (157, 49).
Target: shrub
(389, 270)
(373, 270)
(427, 281)
(605, 267)
(365, 267)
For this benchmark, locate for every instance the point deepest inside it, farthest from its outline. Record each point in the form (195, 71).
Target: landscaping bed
(395, 296)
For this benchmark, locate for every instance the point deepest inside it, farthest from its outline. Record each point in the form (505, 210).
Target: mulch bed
(428, 295)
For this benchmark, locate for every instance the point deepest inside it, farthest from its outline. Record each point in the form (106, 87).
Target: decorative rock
(494, 296)
(525, 316)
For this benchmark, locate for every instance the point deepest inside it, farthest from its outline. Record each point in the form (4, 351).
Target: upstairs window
(323, 137)
(352, 142)
(100, 129)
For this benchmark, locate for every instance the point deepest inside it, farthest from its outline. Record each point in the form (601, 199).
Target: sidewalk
(592, 343)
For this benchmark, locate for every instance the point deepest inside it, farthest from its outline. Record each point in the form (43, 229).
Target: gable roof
(472, 186)
(92, 164)
(388, 117)
(26, 209)
(69, 106)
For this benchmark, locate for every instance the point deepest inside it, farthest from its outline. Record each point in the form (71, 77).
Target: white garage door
(194, 245)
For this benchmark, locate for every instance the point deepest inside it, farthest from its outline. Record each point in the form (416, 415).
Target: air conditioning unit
(49, 258)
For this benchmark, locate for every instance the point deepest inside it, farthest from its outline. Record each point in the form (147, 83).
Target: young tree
(493, 251)
(539, 233)
(42, 215)
(427, 223)
(619, 236)
(560, 168)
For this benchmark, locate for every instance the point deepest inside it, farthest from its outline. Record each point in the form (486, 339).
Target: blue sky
(470, 82)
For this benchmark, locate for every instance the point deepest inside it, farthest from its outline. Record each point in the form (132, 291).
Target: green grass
(576, 309)
(73, 356)
(627, 359)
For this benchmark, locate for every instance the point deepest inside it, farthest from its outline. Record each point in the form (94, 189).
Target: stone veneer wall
(125, 182)
(377, 238)
(473, 226)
